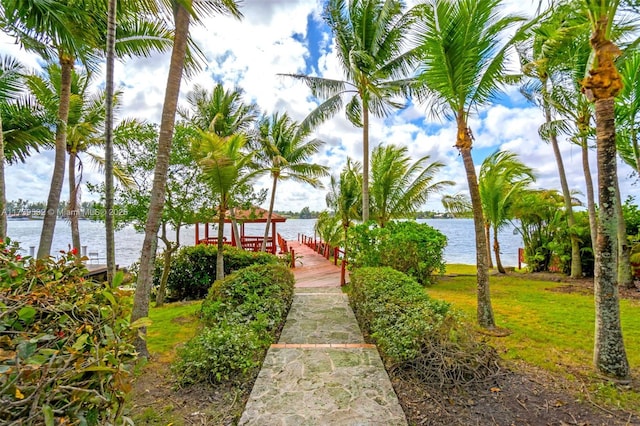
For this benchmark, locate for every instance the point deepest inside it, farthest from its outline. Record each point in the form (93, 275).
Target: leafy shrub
(410, 247)
(193, 268)
(65, 345)
(243, 314)
(416, 335)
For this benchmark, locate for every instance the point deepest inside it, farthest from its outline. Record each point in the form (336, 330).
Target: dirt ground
(521, 396)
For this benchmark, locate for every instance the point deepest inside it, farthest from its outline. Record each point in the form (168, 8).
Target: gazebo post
(273, 238)
(206, 232)
(197, 233)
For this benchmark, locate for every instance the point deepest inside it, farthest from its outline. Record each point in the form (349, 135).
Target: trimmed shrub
(66, 343)
(193, 268)
(414, 248)
(418, 336)
(243, 315)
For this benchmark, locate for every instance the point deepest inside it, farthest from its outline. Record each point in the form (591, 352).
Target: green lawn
(171, 325)
(550, 329)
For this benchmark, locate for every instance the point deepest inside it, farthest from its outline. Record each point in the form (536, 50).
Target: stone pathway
(321, 372)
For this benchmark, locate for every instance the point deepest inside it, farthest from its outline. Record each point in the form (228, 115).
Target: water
(459, 232)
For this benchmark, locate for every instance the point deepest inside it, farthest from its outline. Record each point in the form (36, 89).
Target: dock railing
(326, 250)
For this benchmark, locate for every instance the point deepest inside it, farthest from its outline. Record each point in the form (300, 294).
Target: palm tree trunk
(591, 205)
(576, 263)
(496, 249)
(271, 204)
(234, 227)
(3, 193)
(145, 278)
(220, 254)
(170, 248)
(484, 309)
(609, 352)
(625, 278)
(487, 232)
(73, 204)
(57, 179)
(108, 143)
(365, 162)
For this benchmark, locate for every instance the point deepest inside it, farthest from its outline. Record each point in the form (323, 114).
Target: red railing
(326, 250)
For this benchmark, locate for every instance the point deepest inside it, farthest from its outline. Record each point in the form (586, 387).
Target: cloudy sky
(288, 36)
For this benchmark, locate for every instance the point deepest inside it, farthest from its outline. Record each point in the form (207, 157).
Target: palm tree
(628, 111)
(546, 59)
(602, 85)
(10, 76)
(282, 149)
(502, 179)
(369, 37)
(463, 48)
(457, 205)
(182, 12)
(399, 187)
(224, 164)
(223, 112)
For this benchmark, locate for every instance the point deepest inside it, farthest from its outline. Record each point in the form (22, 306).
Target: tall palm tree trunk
(365, 162)
(108, 143)
(591, 205)
(57, 179)
(576, 264)
(3, 194)
(271, 204)
(496, 249)
(484, 309)
(625, 278)
(487, 231)
(220, 254)
(609, 353)
(145, 278)
(73, 204)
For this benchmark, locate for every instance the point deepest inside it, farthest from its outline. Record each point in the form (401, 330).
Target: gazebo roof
(252, 215)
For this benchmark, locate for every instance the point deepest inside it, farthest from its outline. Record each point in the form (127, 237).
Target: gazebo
(242, 217)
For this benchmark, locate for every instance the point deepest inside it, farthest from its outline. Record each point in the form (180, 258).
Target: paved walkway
(321, 372)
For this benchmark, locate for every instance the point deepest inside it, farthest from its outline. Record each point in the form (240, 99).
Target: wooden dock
(313, 269)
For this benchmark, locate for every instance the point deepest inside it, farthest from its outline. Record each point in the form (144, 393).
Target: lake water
(459, 232)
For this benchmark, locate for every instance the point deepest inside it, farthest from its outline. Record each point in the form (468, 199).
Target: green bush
(416, 335)
(65, 345)
(410, 247)
(243, 315)
(193, 268)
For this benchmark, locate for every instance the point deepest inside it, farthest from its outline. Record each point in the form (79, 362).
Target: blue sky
(288, 36)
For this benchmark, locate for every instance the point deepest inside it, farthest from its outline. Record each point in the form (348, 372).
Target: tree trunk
(156, 204)
(463, 143)
(108, 144)
(576, 263)
(220, 255)
(234, 227)
(170, 248)
(72, 211)
(609, 352)
(365, 162)
(487, 231)
(271, 204)
(625, 278)
(496, 249)
(591, 205)
(57, 178)
(3, 193)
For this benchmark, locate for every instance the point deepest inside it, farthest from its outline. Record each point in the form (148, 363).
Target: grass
(171, 325)
(549, 329)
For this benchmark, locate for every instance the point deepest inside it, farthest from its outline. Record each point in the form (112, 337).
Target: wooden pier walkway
(312, 269)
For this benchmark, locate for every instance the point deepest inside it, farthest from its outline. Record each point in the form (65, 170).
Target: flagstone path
(321, 372)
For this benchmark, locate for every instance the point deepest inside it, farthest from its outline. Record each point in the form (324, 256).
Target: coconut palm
(369, 38)
(283, 149)
(602, 85)
(398, 186)
(182, 11)
(628, 111)
(502, 179)
(546, 58)
(57, 30)
(10, 78)
(225, 166)
(463, 47)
